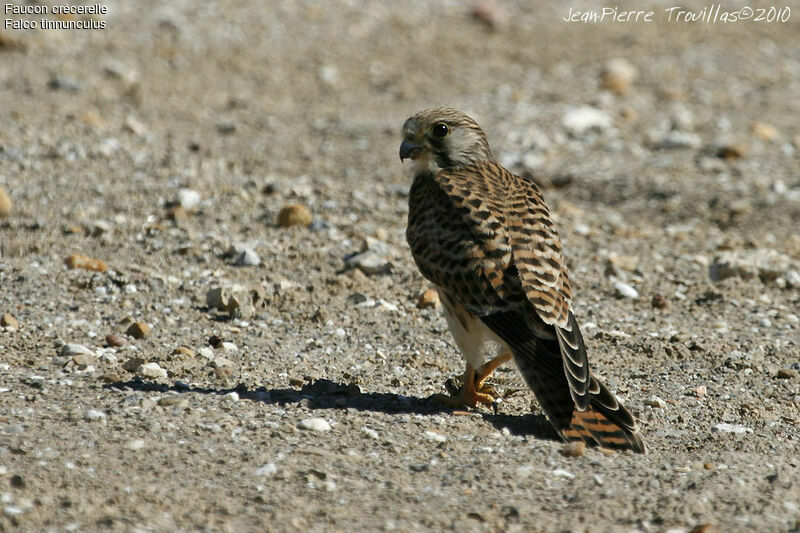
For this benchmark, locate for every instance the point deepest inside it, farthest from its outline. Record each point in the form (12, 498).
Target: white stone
(624, 290)
(680, 139)
(369, 262)
(583, 119)
(328, 74)
(75, 349)
(135, 444)
(151, 370)
(232, 396)
(206, 352)
(655, 401)
(764, 263)
(732, 428)
(267, 470)
(93, 415)
(371, 433)
(563, 473)
(792, 278)
(229, 347)
(188, 199)
(383, 305)
(434, 437)
(248, 258)
(314, 424)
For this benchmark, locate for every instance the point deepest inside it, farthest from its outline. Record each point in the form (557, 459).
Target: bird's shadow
(327, 394)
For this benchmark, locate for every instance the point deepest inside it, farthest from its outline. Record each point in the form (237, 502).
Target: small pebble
(62, 83)
(184, 351)
(8, 322)
(188, 199)
(434, 437)
(617, 75)
(93, 415)
(428, 299)
(151, 370)
(584, 119)
(85, 262)
(314, 424)
(655, 401)
(732, 428)
(133, 364)
(229, 347)
(765, 132)
(71, 350)
(574, 449)
(563, 473)
(787, 373)
(369, 262)
(135, 444)
(116, 341)
(625, 262)
(248, 258)
(172, 401)
(177, 214)
(5, 204)
(371, 433)
(138, 330)
(232, 396)
(294, 215)
(328, 74)
(659, 302)
(680, 139)
(206, 352)
(625, 291)
(730, 150)
(82, 359)
(266, 470)
(490, 13)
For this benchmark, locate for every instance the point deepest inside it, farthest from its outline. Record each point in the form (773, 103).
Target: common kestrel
(483, 236)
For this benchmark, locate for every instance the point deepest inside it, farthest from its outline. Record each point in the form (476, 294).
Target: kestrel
(483, 236)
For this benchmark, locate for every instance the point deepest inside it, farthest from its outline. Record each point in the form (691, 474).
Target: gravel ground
(229, 366)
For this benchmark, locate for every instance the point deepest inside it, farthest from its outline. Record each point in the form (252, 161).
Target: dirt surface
(304, 408)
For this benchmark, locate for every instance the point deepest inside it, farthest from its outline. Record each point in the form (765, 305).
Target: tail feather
(598, 418)
(606, 423)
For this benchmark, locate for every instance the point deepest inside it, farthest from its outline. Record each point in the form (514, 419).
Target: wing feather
(486, 237)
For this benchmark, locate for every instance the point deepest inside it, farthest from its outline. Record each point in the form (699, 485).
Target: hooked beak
(409, 150)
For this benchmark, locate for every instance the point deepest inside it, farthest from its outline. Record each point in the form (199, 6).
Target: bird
(484, 238)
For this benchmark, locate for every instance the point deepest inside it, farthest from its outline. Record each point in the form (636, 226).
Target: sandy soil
(306, 409)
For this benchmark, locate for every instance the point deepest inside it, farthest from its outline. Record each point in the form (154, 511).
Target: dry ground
(257, 106)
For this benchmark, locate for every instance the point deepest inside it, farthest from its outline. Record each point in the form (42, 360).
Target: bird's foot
(466, 394)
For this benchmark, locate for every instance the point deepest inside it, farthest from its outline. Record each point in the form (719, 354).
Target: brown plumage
(484, 237)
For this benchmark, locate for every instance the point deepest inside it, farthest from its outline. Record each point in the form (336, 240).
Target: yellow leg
(467, 395)
(488, 367)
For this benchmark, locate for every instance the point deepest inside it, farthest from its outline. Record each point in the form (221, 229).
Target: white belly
(475, 340)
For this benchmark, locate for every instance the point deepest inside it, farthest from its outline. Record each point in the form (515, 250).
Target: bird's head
(442, 138)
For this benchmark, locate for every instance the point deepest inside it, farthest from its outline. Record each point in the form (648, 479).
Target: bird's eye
(441, 129)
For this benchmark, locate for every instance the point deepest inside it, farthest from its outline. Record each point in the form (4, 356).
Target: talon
(466, 393)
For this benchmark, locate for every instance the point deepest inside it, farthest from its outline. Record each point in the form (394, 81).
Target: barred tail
(578, 410)
(606, 423)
